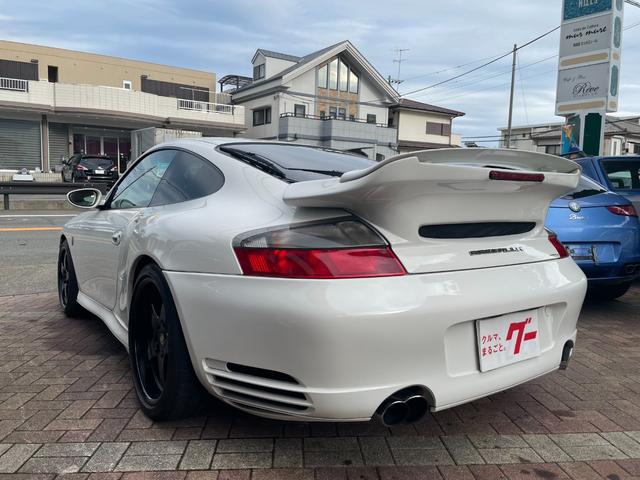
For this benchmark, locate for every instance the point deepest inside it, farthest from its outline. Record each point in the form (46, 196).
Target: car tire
(67, 282)
(607, 293)
(163, 376)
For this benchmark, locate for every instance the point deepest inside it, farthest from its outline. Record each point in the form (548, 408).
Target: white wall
(261, 131)
(413, 126)
(370, 94)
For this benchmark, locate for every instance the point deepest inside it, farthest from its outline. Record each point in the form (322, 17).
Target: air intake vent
(475, 230)
(257, 388)
(261, 372)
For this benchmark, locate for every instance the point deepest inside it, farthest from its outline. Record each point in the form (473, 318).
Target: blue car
(618, 174)
(602, 233)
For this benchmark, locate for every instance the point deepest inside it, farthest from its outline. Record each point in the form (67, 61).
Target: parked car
(90, 168)
(619, 174)
(602, 233)
(299, 283)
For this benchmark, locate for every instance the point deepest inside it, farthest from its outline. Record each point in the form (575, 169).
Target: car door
(104, 234)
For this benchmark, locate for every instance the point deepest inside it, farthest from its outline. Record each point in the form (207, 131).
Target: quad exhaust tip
(402, 408)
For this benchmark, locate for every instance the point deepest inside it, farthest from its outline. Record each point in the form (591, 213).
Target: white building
(621, 136)
(335, 98)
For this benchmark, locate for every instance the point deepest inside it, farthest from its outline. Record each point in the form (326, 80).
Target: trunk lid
(441, 211)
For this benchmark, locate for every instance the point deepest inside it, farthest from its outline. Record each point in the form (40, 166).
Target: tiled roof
(415, 105)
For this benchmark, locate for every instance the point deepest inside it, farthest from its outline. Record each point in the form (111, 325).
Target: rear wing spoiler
(461, 170)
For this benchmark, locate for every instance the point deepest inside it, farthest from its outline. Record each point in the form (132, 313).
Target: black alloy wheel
(67, 282)
(164, 379)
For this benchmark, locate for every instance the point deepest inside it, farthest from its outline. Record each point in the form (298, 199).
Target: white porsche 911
(300, 283)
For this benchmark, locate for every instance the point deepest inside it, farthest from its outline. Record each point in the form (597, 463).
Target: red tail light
(344, 248)
(560, 248)
(516, 176)
(624, 210)
(340, 263)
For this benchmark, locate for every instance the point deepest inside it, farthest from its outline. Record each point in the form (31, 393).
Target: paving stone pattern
(68, 410)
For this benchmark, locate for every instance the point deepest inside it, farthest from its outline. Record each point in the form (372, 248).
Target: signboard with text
(573, 9)
(589, 65)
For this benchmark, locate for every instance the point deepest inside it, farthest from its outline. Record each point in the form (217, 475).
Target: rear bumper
(349, 344)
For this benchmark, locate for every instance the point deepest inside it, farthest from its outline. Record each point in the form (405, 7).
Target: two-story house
(56, 102)
(335, 98)
(332, 98)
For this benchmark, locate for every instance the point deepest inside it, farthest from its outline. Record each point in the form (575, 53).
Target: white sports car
(300, 283)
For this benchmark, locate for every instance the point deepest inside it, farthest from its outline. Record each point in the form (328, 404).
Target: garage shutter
(58, 143)
(19, 144)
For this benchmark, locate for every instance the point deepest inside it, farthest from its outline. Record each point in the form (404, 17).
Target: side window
(187, 177)
(588, 170)
(138, 186)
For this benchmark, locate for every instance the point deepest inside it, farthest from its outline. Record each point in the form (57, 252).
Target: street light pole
(513, 81)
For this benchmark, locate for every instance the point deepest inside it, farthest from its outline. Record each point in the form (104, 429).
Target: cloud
(453, 36)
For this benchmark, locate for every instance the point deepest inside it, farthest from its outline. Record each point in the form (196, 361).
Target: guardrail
(43, 188)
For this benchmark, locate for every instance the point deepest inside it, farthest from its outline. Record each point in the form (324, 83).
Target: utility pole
(399, 61)
(513, 81)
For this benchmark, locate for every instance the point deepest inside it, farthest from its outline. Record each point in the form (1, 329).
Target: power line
(481, 66)
(452, 68)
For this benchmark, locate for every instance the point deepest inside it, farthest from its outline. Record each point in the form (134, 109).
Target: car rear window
(296, 163)
(96, 162)
(586, 188)
(623, 174)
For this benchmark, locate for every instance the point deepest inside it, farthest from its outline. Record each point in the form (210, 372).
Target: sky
(442, 39)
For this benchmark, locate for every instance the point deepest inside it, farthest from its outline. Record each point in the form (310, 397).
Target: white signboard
(589, 65)
(586, 36)
(583, 84)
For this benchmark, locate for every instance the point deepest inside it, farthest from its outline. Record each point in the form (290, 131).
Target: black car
(90, 168)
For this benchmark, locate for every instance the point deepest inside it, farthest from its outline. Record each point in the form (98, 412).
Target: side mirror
(84, 197)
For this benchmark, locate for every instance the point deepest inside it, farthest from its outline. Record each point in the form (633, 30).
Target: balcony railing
(68, 97)
(205, 106)
(14, 84)
(334, 117)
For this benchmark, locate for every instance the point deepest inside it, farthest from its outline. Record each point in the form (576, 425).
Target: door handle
(116, 237)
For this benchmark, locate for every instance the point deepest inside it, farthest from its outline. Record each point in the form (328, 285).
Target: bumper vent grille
(257, 388)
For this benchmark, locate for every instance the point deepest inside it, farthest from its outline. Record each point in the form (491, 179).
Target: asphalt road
(28, 250)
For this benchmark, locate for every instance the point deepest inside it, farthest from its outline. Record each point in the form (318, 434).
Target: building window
(258, 72)
(342, 113)
(371, 118)
(338, 75)
(333, 112)
(441, 129)
(126, 84)
(299, 110)
(344, 77)
(261, 116)
(552, 149)
(333, 74)
(52, 73)
(322, 76)
(353, 82)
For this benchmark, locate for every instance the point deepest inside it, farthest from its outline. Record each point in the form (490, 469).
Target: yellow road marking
(30, 229)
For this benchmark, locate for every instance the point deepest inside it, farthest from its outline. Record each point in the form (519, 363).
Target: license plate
(581, 252)
(507, 339)
(99, 172)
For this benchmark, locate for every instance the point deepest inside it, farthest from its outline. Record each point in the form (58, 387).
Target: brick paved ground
(67, 410)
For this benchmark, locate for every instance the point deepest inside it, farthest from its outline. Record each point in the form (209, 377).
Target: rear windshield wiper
(257, 161)
(332, 173)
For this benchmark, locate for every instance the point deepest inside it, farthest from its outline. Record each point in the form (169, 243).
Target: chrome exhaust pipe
(393, 411)
(402, 408)
(417, 406)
